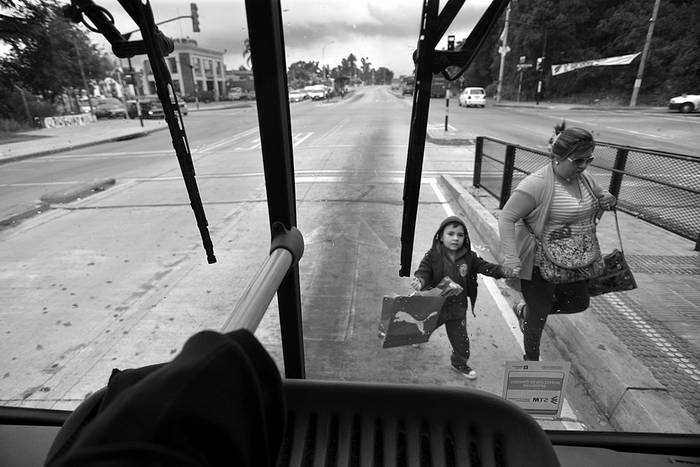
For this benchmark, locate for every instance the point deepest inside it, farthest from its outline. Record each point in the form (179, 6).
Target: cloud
(386, 31)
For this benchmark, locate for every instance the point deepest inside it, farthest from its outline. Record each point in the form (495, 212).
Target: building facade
(192, 69)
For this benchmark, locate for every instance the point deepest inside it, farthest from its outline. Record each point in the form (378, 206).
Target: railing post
(507, 175)
(478, 156)
(618, 169)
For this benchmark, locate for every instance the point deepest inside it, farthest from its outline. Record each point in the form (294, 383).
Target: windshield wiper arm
(156, 46)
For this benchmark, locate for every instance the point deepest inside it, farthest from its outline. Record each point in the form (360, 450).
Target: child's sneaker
(464, 369)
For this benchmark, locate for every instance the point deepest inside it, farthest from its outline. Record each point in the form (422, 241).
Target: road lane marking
(510, 319)
(201, 149)
(300, 138)
(441, 198)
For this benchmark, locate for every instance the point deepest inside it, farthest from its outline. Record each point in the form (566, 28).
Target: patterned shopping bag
(409, 319)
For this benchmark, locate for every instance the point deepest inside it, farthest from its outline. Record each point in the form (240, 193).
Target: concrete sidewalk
(45, 141)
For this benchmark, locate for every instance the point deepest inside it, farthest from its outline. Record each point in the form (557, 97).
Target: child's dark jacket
(435, 265)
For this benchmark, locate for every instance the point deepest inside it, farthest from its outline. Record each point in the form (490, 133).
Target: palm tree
(246, 51)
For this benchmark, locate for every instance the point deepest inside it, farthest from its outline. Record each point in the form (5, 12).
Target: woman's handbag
(570, 253)
(565, 256)
(617, 276)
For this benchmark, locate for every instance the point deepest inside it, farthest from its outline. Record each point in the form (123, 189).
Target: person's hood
(449, 220)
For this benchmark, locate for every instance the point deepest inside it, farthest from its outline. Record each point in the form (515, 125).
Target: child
(451, 257)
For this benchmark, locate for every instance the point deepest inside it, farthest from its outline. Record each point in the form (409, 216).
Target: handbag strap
(617, 227)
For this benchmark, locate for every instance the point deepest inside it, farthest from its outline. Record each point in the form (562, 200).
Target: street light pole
(538, 94)
(136, 91)
(323, 56)
(504, 51)
(640, 71)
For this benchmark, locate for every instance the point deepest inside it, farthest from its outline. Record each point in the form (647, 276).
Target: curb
(448, 141)
(623, 387)
(76, 191)
(16, 213)
(69, 147)
(551, 105)
(223, 107)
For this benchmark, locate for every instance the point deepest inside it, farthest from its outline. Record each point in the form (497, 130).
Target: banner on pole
(619, 60)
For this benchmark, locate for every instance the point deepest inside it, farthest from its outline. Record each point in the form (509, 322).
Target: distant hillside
(578, 30)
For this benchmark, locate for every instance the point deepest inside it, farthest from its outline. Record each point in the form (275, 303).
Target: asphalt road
(119, 279)
(655, 129)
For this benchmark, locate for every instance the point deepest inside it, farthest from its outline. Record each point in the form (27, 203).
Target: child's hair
(451, 224)
(438, 235)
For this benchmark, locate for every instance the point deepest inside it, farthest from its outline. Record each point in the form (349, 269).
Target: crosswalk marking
(297, 139)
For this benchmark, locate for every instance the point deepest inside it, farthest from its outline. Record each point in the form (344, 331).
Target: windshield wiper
(156, 46)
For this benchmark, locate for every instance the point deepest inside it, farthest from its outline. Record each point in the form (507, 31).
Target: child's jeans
(457, 334)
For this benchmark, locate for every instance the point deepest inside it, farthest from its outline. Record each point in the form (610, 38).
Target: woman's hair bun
(564, 143)
(561, 126)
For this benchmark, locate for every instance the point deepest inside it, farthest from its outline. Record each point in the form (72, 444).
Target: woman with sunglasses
(556, 200)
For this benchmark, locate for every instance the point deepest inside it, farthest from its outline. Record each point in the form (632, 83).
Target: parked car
(472, 97)
(297, 95)
(110, 107)
(685, 103)
(153, 109)
(235, 94)
(317, 92)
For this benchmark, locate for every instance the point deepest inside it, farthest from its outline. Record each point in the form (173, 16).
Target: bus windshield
(566, 115)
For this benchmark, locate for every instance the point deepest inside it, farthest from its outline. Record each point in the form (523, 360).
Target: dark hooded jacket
(436, 264)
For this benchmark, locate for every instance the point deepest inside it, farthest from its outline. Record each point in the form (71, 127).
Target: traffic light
(450, 42)
(195, 17)
(129, 78)
(538, 66)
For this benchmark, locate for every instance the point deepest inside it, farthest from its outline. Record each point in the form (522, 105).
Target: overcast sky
(326, 31)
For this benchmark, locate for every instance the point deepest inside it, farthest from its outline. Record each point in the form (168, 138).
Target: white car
(472, 97)
(297, 95)
(685, 103)
(316, 92)
(235, 94)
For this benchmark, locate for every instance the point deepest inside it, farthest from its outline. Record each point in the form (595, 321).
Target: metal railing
(658, 187)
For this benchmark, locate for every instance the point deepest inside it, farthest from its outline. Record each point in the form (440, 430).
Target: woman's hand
(607, 201)
(417, 284)
(511, 273)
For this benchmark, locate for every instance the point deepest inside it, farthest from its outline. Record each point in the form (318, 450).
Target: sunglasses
(581, 162)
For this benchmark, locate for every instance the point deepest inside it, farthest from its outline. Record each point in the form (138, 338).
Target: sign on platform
(536, 387)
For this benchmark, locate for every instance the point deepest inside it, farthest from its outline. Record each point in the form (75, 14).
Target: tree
(246, 51)
(301, 73)
(366, 71)
(383, 75)
(46, 60)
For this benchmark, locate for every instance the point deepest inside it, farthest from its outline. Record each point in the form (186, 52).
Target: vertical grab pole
(270, 76)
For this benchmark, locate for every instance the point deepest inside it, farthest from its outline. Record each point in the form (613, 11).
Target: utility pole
(503, 51)
(645, 52)
(82, 73)
(540, 68)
